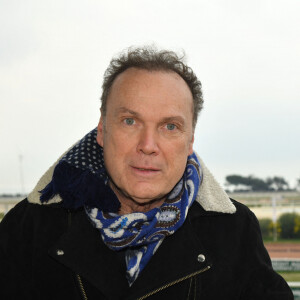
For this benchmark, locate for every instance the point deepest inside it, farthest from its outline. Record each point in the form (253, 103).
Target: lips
(146, 168)
(145, 171)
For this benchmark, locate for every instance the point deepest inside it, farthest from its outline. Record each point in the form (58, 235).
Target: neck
(130, 205)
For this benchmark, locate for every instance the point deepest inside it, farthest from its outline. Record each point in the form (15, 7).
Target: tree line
(287, 227)
(250, 183)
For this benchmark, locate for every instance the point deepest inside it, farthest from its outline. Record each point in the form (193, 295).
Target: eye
(171, 126)
(129, 121)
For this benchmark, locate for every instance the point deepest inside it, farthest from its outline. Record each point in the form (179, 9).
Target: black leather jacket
(48, 252)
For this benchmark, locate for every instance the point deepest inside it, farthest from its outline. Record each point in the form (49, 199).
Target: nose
(147, 143)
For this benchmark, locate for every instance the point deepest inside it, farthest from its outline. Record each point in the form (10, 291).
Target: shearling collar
(210, 195)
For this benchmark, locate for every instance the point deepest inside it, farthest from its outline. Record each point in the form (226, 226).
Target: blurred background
(246, 53)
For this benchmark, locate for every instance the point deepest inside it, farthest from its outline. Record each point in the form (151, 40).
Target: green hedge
(287, 227)
(266, 227)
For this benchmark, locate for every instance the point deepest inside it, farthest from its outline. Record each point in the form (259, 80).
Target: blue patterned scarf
(80, 179)
(142, 233)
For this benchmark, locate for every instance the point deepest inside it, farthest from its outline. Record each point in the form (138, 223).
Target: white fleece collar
(210, 196)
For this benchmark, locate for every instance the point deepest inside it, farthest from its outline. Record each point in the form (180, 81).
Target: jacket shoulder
(26, 222)
(242, 209)
(25, 211)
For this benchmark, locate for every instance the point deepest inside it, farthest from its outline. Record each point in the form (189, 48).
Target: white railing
(295, 287)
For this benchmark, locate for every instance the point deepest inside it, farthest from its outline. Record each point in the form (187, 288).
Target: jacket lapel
(176, 258)
(82, 250)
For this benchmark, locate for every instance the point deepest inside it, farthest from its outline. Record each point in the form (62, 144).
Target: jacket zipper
(81, 287)
(173, 283)
(191, 283)
(83, 293)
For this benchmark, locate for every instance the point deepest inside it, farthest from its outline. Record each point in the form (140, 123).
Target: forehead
(160, 87)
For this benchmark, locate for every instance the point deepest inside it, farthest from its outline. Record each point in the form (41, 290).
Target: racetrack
(283, 250)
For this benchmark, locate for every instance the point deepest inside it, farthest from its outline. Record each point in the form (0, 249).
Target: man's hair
(151, 59)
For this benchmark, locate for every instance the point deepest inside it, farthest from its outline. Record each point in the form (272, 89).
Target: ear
(100, 133)
(191, 150)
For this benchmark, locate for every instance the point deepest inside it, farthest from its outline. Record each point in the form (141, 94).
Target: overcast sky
(246, 53)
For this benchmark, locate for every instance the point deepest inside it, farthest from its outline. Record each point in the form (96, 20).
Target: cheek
(115, 151)
(177, 159)
(181, 148)
(115, 139)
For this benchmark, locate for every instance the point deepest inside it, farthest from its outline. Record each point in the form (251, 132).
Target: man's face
(147, 132)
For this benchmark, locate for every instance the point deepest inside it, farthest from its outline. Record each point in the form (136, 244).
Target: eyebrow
(172, 119)
(124, 109)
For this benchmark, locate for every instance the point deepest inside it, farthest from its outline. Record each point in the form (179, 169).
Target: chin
(146, 192)
(144, 198)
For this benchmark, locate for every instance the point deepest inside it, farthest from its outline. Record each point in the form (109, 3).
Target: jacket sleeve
(262, 283)
(15, 257)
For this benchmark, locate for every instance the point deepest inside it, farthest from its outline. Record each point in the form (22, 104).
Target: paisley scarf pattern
(142, 233)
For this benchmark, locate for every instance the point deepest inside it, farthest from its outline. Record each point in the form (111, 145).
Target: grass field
(290, 276)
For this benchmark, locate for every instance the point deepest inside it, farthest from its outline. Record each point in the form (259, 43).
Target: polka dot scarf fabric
(87, 154)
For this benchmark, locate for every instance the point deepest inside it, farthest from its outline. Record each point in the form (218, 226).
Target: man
(130, 211)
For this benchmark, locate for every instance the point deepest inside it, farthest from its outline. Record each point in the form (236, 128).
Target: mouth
(146, 169)
(141, 170)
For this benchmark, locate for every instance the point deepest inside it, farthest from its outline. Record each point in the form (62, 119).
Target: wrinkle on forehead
(129, 83)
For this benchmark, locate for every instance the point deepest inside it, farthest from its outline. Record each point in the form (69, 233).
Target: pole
(21, 174)
(274, 198)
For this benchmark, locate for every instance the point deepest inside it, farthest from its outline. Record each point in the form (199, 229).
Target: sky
(246, 53)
